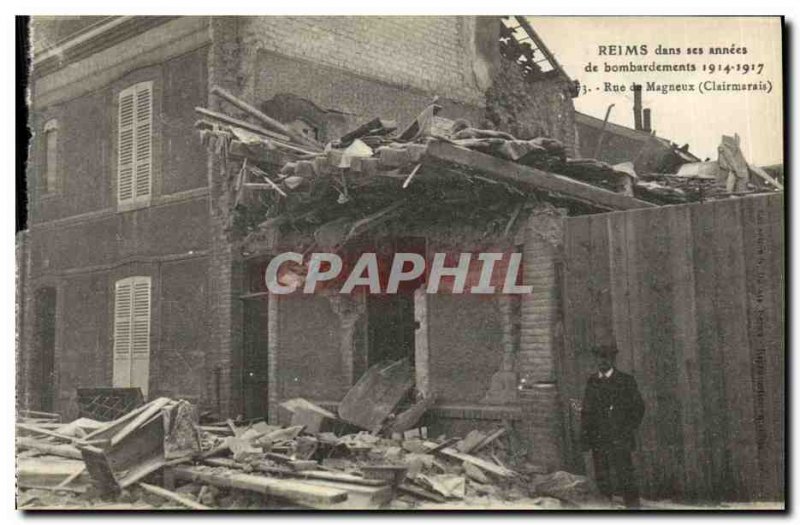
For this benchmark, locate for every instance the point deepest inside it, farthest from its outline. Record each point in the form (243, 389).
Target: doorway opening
(42, 374)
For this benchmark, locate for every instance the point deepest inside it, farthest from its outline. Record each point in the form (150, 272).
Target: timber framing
(529, 178)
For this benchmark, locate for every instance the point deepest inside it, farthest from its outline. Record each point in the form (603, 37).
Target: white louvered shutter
(135, 148)
(122, 333)
(140, 340)
(132, 333)
(144, 138)
(125, 147)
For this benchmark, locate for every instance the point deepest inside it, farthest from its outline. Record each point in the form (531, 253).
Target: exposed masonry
(539, 333)
(221, 374)
(531, 109)
(429, 53)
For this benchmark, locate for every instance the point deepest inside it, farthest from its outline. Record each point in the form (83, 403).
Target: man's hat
(605, 351)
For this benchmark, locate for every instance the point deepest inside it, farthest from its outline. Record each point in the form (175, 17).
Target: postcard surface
(402, 263)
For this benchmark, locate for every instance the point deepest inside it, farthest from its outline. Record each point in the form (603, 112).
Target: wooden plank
(579, 300)
(376, 394)
(45, 432)
(152, 409)
(419, 492)
(222, 117)
(651, 262)
(358, 496)
(66, 451)
(715, 425)
(110, 427)
(489, 439)
(695, 483)
(305, 474)
(776, 356)
(764, 277)
(577, 362)
(478, 462)
(599, 282)
(265, 119)
(172, 496)
(532, 178)
(637, 273)
(620, 301)
(295, 491)
(731, 312)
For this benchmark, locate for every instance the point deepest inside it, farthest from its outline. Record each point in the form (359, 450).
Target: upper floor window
(50, 171)
(135, 148)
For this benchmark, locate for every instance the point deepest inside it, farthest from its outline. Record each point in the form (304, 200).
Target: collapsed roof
(433, 172)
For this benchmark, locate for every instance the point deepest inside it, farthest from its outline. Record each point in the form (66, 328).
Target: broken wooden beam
(532, 178)
(172, 496)
(305, 474)
(489, 439)
(45, 432)
(64, 450)
(478, 462)
(265, 119)
(292, 490)
(419, 492)
(240, 124)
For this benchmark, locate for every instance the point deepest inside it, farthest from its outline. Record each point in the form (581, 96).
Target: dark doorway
(390, 317)
(391, 327)
(255, 341)
(42, 373)
(255, 357)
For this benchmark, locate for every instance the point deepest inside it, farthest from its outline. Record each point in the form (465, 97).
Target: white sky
(692, 118)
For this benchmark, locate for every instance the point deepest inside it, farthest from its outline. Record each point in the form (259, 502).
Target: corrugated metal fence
(693, 296)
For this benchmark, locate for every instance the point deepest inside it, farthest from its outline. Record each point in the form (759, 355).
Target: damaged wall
(465, 346)
(531, 109)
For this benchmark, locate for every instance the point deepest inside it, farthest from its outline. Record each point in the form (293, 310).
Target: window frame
(50, 180)
(135, 200)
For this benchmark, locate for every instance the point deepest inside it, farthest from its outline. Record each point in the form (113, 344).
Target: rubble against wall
(530, 109)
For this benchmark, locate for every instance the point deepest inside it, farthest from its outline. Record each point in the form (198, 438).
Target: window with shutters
(135, 145)
(50, 164)
(132, 333)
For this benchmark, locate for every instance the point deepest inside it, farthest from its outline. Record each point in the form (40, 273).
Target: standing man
(612, 411)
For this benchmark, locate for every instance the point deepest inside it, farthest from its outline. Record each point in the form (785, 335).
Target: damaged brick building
(96, 248)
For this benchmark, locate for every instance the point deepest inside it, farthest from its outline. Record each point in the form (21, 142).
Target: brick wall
(222, 371)
(465, 339)
(79, 245)
(429, 53)
(540, 336)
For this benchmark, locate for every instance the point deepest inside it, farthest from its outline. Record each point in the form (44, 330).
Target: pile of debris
(380, 173)
(370, 455)
(287, 180)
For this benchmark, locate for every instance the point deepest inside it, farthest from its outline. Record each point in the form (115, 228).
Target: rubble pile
(370, 175)
(291, 182)
(160, 456)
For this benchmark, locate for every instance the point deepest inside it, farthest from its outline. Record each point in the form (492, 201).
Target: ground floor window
(132, 333)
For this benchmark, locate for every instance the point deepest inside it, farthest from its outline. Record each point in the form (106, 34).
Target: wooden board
(376, 394)
(532, 178)
(298, 492)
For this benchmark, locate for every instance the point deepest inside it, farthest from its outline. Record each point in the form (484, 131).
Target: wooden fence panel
(693, 297)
